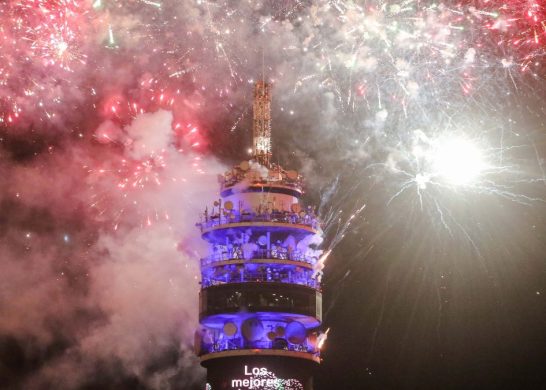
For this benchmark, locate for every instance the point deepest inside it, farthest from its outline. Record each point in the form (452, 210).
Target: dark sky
(426, 309)
(433, 285)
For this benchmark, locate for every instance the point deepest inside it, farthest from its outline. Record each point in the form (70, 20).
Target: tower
(260, 304)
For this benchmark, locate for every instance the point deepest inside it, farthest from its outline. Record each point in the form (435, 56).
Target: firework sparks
(418, 108)
(38, 35)
(394, 68)
(455, 160)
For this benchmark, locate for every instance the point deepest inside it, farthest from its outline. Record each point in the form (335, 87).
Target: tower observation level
(260, 304)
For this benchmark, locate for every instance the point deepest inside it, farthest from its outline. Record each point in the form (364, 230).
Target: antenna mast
(262, 123)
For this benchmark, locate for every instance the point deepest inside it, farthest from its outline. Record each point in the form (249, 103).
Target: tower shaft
(262, 123)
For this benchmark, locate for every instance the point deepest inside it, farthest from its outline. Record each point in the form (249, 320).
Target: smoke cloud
(90, 303)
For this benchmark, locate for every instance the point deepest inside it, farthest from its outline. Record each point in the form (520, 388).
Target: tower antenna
(261, 129)
(263, 65)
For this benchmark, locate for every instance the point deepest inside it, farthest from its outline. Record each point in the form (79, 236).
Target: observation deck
(240, 347)
(301, 223)
(275, 265)
(278, 255)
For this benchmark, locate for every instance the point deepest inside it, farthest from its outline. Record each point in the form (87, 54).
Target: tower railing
(277, 253)
(307, 220)
(239, 343)
(263, 276)
(240, 177)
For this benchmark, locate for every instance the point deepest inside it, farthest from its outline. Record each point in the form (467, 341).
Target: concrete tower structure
(260, 302)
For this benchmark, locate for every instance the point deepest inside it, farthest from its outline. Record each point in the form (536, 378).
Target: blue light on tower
(260, 301)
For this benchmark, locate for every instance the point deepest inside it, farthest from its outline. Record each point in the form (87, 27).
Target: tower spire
(262, 123)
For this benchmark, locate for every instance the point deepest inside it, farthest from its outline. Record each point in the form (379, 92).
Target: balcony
(302, 220)
(278, 253)
(240, 344)
(266, 275)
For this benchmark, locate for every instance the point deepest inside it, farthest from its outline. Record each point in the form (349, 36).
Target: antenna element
(262, 123)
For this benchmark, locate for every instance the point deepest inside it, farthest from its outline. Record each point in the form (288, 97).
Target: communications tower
(260, 304)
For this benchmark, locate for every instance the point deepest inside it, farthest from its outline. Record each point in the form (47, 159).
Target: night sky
(418, 126)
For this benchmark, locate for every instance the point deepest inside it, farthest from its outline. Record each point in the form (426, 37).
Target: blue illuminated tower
(260, 302)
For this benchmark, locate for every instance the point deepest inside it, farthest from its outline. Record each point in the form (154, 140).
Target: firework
(148, 146)
(40, 42)
(386, 70)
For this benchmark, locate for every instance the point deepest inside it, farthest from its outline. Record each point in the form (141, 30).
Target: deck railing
(278, 217)
(236, 253)
(240, 343)
(244, 276)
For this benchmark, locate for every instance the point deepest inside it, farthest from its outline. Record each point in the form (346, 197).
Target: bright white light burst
(457, 160)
